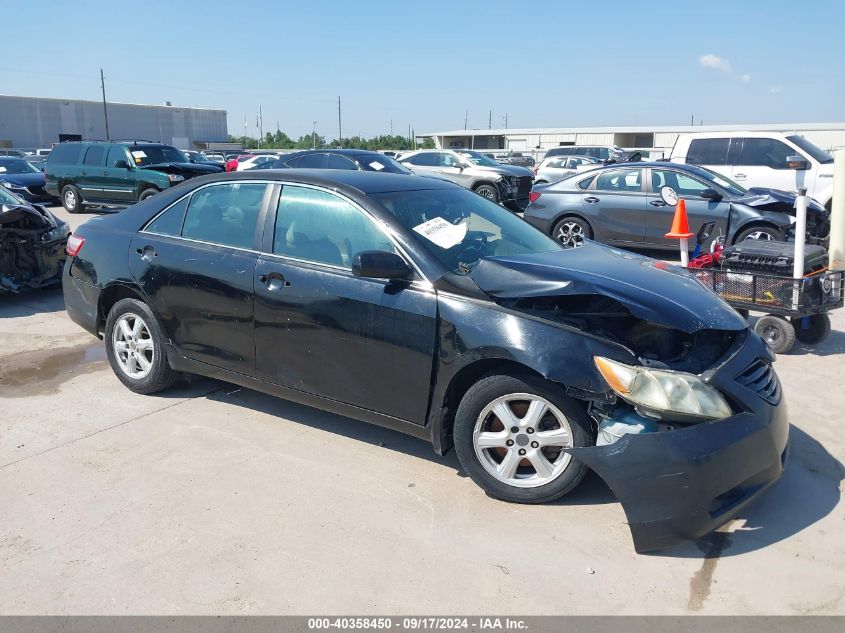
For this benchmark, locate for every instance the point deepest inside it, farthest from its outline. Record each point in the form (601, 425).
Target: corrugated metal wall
(30, 122)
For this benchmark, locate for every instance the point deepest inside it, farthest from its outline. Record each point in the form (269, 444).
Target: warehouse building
(34, 122)
(657, 141)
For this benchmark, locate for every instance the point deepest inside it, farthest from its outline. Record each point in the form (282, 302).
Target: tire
(777, 332)
(571, 231)
(475, 421)
(147, 193)
(488, 191)
(760, 232)
(816, 330)
(72, 199)
(122, 341)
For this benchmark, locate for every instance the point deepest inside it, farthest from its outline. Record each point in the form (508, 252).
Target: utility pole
(466, 117)
(314, 137)
(391, 127)
(259, 123)
(506, 120)
(339, 126)
(490, 120)
(245, 128)
(692, 119)
(105, 109)
(409, 135)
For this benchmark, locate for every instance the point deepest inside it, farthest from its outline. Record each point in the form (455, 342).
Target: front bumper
(680, 485)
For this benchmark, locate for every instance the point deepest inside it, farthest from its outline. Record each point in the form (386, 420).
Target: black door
(321, 330)
(196, 264)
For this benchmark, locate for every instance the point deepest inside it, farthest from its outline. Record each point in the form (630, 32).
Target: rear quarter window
(65, 154)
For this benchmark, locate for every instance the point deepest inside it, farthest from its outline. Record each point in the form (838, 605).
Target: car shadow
(807, 492)
(30, 302)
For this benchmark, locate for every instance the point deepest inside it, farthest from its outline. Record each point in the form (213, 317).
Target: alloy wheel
(70, 198)
(519, 439)
(570, 234)
(133, 346)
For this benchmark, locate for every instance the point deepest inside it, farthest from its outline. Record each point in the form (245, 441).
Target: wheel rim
(772, 335)
(487, 193)
(133, 346)
(760, 235)
(570, 234)
(70, 198)
(519, 439)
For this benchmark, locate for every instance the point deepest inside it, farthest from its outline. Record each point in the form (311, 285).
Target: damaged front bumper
(679, 485)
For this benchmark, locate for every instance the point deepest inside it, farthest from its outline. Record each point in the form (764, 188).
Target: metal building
(33, 122)
(657, 140)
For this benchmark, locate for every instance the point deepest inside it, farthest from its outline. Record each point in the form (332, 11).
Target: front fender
(743, 217)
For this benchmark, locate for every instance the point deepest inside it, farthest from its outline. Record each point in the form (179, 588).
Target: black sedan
(32, 244)
(349, 159)
(415, 304)
(621, 205)
(24, 179)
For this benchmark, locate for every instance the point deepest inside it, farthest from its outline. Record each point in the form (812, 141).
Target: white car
(254, 161)
(559, 167)
(758, 159)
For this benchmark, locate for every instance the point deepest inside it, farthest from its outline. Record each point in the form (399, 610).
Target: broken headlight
(663, 394)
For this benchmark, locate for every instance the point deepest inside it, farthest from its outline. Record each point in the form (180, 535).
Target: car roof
(332, 150)
(365, 182)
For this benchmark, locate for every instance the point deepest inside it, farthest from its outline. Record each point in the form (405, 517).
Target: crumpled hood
(24, 180)
(184, 169)
(775, 200)
(652, 290)
(508, 170)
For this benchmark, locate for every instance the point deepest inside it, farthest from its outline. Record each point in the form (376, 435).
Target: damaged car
(414, 304)
(32, 244)
(621, 205)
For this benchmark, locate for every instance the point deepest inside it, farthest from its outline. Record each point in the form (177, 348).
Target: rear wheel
(768, 233)
(778, 333)
(510, 434)
(72, 199)
(488, 191)
(811, 329)
(135, 347)
(571, 231)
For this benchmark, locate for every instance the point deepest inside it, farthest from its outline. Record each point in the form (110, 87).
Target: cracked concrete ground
(215, 499)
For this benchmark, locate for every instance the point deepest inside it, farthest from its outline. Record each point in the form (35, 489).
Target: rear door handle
(740, 176)
(591, 199)
(146, 253)
(274, 281)
(657, 203)
(84, 173)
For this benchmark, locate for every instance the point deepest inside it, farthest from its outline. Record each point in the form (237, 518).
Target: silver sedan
(559, 167)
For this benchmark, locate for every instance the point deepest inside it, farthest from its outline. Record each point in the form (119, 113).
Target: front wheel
(510, 434)
(766, 233)
(135, 347)
(147, 193)
(488, 191)
(571, 231)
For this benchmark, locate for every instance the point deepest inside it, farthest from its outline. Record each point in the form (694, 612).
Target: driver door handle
(740, 176)
(591, 199)
(274, 281)
(657, 203)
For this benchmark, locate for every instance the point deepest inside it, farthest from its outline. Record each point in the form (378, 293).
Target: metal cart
(795, 308)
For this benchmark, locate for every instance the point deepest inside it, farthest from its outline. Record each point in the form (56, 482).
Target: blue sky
(425, 62)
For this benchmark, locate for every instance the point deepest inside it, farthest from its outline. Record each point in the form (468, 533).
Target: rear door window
(169, 222)
(312, 161)
(336, 161)
(95, 156)
(225, 214)
(708, 151)
(620, 180)
(426, 159)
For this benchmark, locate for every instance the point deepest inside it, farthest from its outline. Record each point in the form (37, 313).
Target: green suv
(115, 173)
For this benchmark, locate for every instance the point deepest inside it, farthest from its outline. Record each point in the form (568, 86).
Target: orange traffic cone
(680, 224)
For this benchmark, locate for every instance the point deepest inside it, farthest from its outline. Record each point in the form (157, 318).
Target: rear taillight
(74, 245)
(533, 196)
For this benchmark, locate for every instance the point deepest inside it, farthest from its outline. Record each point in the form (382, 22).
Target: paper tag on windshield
(2, 170)
(376, 166)
(441, 232)
(139, 154)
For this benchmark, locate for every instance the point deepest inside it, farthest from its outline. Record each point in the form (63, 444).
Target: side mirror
(798, 163)
(711, 194)
(668, 195)
(380, 265)
(121, 164)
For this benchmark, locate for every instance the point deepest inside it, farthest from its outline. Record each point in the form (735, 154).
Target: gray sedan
(621, 205)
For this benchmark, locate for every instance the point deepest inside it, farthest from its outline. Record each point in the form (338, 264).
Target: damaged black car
(415, 304)
(32, 244)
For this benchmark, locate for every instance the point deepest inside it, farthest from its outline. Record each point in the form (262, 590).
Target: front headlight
(175, 178)
(657, 392)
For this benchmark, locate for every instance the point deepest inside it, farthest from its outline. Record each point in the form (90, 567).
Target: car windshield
(380, 162)
(155, 154)
(723, 181)
(460, 228)
(7, 197)
(17, 166)
(477, 158)
(815, 152)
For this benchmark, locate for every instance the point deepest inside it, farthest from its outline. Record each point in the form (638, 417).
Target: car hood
(507, 170)
(25, 180)
(192, 169)
(774, 200)
(33, 216)
(651, 289)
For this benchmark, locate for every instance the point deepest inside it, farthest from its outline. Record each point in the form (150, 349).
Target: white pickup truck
(758, 159)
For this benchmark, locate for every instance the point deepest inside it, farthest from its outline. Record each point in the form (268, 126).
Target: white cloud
(716, 63)
(746, 79)
(775, 89)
